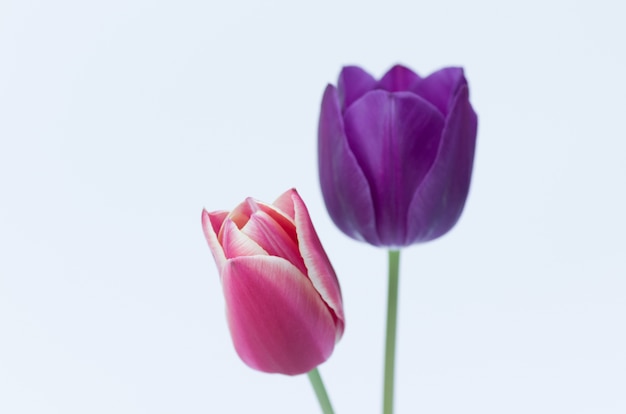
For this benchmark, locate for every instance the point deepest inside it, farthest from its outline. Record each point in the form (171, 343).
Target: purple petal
(345, 188)
(438, 203)
(320, 271)
(394, 137)
(353, 83)
(240, 214)
(277, 319)
(441, 87)
(399, 78)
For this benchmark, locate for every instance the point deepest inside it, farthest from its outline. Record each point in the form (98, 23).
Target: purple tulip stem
(390, 343)
(320, 391)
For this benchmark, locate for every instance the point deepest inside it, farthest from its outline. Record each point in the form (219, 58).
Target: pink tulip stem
(320, 391)
(390, 343)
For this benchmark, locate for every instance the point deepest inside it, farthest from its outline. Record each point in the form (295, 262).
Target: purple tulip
(396, 155)
(283, 301)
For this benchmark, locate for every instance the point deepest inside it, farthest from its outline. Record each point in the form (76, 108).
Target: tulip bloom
(396, 155)
(283, 301)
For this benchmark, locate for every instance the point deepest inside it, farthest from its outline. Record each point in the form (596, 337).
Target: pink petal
(285, 204)
(320, 271)
(277, 320)
(281, 217)
(236, 243)
(211, 224)
(273, 239)
(243, 211)
(241, 214)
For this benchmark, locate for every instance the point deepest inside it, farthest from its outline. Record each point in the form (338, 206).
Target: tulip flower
(396, 155)
(283, 301)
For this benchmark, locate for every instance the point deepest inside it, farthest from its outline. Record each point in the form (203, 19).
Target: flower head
(396, 154)
(283, 301)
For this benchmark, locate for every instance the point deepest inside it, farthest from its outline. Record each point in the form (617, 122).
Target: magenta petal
(441, 87)
(320, 270)
(353, 83)
(211, 225)
(394, 137)
(345, 188)
(438, 203)
(276, 317)
(398, 78)
(268, 234)
(236, 243)
(240, 214)
(282, 218)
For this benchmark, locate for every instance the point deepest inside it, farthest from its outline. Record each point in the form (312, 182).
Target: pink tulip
(283, 301)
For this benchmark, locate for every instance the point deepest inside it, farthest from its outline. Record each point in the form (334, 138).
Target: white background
(121, 120)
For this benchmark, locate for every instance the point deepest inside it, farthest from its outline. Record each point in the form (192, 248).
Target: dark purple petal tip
(440, 87)
(399, 78)
(353, 83)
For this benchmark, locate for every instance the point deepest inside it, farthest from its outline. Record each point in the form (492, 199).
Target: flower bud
(283, 301)
(396, 154)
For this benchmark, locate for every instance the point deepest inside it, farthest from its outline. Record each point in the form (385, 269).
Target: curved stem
(320, 391)
(390, 343)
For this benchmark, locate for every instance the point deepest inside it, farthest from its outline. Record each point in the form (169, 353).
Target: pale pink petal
(285, 204)
(277, 319)
(237, 243)
(211, 225)
(320, 271)
(268, 234)
(240, 214)
(281, 217)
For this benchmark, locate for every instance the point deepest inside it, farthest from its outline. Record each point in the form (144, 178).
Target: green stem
(320, 391)
(390, 343)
